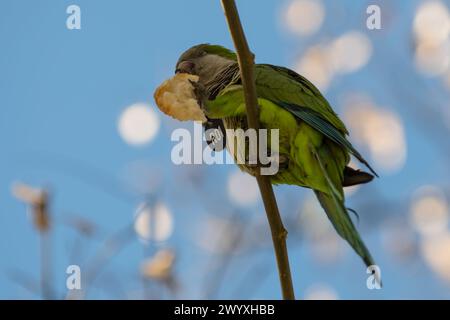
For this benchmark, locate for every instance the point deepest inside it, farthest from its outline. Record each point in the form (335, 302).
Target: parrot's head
(198, 74)
(205, 61)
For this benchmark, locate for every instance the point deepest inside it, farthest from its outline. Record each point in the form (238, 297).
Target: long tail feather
(338, 215)
(333, 204)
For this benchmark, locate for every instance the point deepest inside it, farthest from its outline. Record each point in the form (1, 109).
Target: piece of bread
(175, 97)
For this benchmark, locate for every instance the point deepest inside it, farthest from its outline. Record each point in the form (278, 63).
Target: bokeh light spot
(153, 223)
(304, 17)
(350, 52)
(429, 211)
(242, 189)
(320, 292)
(138, 124)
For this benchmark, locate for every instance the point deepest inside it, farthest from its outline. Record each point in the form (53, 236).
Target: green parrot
(313, 148)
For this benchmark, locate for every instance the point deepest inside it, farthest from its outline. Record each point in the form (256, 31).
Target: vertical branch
(45, 256)
(246, 65)
(38, 201)
(42, 223)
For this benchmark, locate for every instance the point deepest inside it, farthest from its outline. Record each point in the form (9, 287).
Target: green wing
(324, 127)
(282, 84)
(296, 94)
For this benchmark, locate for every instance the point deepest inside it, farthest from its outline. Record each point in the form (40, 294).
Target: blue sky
(62, 92)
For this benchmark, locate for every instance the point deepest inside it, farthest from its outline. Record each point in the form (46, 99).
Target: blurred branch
(38, 201)
(224, 261)
(246, 65)
(25, 281)
(111, 247)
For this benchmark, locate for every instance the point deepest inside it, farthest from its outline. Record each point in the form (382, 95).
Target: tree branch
(246, 65)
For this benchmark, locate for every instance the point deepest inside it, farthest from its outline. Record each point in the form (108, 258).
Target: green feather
(333, 204)
(220, 51)
(323, 126)
(312, 137)
(283, 85)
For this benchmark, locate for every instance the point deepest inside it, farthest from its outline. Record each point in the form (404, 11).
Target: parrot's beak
(185, 67)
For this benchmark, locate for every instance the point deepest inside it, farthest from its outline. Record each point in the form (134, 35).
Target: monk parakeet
(314, 150)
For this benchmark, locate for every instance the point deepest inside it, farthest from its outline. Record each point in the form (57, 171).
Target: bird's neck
(222, 76)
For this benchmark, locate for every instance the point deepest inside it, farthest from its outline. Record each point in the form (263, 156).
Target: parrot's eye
(185, 67)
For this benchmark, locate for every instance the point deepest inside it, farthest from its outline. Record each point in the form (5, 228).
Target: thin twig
(38, 201)
(46, 274)
(246, 65)
(108, 250)
(25, 281)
